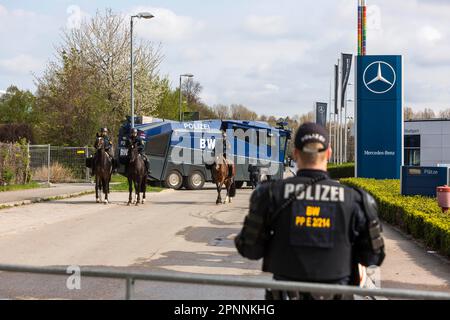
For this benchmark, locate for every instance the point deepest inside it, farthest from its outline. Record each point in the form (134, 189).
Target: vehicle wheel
(174, 180)
(195, 181)
(239, 184)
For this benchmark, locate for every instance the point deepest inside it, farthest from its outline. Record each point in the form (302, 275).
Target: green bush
(419, 216)
(340, 171)
(8, 175)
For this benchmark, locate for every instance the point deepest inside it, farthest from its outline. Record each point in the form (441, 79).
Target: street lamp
(141, 15)
(187, 75)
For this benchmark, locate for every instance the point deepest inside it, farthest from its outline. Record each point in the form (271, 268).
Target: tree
(191, 91)
(240, 112)
(444, 114)
(89, 84)
(17, 106)
(168, 105)
(222, 111)
(408, 113)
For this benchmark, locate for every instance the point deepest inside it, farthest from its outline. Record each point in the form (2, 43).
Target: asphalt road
(175, 231)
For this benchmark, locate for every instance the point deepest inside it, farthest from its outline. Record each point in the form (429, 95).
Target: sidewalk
(15, 198)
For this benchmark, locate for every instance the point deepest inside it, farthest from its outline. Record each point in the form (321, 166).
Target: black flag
(321, 113)
(336, 88)
(346, 68)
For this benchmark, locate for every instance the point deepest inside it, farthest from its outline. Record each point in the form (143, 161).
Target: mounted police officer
(136, 140)
(107, 141)
(310, 228)
(107, 145)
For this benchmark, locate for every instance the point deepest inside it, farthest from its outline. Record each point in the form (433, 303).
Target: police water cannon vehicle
(178, 152)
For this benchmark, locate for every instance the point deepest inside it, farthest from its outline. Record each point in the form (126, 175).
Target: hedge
(419, 216)
(340, 171)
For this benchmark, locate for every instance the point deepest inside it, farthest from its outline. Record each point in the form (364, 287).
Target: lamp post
(187, 75)
(141, 15)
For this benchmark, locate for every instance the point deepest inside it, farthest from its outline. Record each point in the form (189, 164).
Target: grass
(119, 183)
(15, 187)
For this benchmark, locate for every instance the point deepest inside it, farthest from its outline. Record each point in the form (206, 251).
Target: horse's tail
(233, 189)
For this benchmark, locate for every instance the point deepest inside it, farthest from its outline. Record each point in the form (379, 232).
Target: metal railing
(228, 281)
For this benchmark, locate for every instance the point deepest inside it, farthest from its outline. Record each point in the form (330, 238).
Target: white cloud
(266, 25)
(430, 34)
(167, 25)
(76, 17)
(271, 87)
(21, 64)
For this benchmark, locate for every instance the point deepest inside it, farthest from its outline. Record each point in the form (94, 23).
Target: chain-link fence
(59, 164)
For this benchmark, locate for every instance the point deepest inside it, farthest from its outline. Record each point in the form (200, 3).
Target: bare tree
(240, 112)
(444, 114)
(222, 111)
(408, 113)
(425, 114)
(191, 90)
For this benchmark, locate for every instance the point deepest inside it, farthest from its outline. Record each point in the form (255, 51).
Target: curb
(7, 205)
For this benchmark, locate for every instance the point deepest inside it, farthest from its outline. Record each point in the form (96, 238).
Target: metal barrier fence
(59, 164)
(229, 281)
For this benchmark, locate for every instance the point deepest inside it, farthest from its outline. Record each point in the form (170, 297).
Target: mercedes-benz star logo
(379, 77)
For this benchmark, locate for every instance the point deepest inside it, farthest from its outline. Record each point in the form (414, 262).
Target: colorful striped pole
(359, 27)
(364, 28)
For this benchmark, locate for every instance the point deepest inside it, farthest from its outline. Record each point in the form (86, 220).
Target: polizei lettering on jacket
(315, 192)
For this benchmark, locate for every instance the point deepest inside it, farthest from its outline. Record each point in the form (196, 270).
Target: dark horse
(223, 173)
(102, 169)
(137, 175)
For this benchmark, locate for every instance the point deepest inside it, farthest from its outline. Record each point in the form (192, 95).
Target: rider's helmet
(104, 131)
(134, 132)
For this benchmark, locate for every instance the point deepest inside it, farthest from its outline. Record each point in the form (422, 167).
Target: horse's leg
(96, 189)
(130, 189)
(144, 189)
(137, 186)
(105, 189)
(219, 191)
(228, 185)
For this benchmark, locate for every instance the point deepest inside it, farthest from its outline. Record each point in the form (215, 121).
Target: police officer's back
(310, 228)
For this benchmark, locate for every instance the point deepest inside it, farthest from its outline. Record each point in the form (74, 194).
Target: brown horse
(102, 169)
(223, 173)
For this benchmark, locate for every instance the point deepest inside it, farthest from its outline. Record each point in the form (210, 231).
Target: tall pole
(340, 113)
(180, 102)
(345, 133)
(132, 73)
(141, 15)
(330, 113)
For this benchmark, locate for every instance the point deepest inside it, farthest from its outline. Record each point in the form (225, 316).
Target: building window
(412, 150)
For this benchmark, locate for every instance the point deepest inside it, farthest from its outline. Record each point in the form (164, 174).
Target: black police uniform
(320, 237)
(108, 146)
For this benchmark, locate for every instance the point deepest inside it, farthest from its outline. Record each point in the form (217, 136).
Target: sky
(275, 57)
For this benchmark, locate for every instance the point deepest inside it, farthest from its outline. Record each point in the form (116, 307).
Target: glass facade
(412, 150)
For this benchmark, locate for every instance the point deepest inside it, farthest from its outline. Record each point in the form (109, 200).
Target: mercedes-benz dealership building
(427, 142)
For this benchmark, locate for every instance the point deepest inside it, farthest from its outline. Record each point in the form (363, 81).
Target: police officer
(310, 228)
(108, 145)
(107, 141)
(139, 144)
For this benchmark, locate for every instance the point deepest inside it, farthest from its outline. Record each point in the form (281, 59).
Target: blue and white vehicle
(179, 151)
